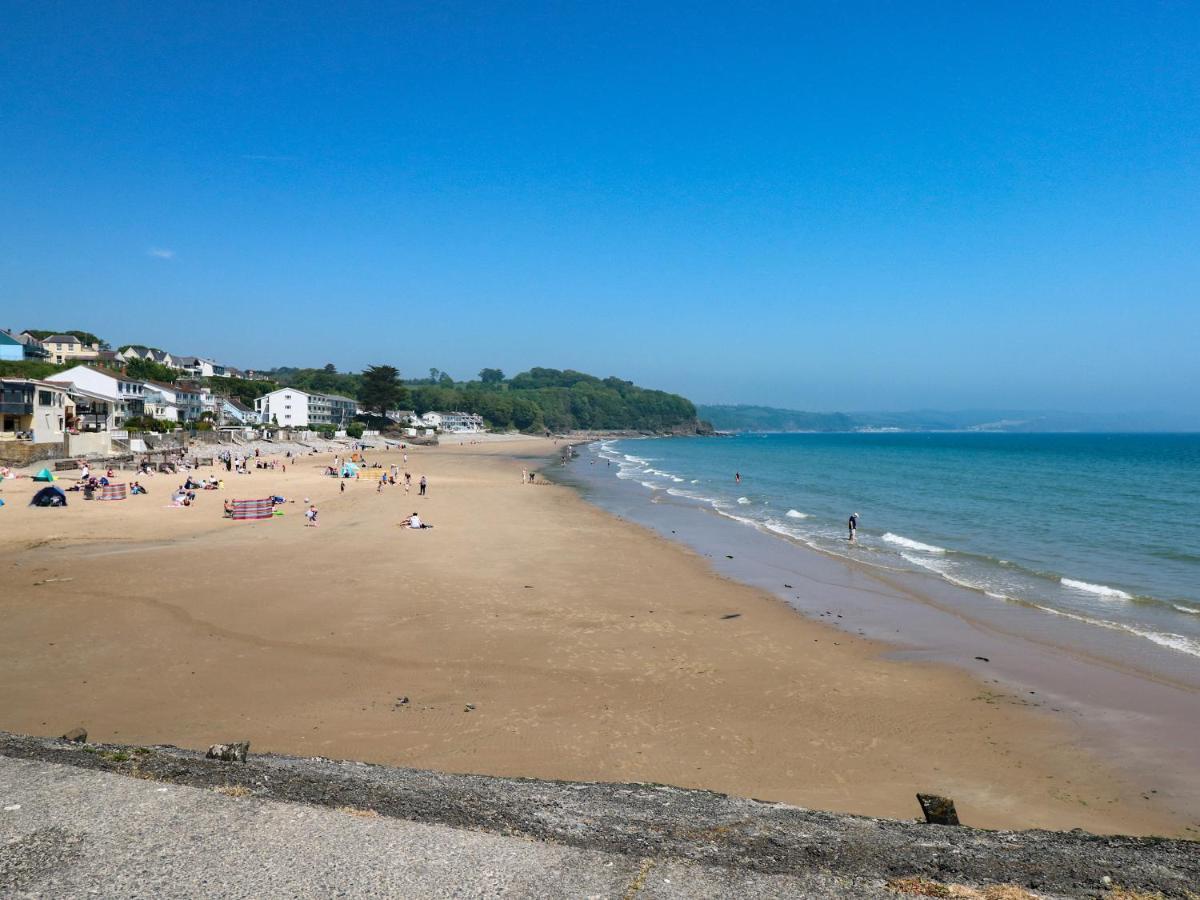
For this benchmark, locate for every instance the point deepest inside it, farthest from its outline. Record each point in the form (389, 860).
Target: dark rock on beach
(938, 810)
(235, 752)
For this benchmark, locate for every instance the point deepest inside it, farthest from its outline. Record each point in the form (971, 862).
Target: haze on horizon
(803, 206)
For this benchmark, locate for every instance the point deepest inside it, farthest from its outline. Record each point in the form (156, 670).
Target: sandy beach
(528, 633)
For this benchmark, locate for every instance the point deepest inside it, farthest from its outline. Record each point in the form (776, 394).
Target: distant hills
(769, 418)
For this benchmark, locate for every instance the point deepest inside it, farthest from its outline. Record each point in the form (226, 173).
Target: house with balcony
(125, 395)
(178, 402)
(456, 422)
(199, 367)
(332, 409)
(34, 411)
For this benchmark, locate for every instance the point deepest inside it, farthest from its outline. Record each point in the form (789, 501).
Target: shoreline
(1135, 718)
(531, 634)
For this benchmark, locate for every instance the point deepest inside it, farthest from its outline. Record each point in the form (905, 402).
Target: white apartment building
(286, 407)
(292, 408)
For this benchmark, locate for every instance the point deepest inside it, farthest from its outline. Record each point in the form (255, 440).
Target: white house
(138, 352)
(458, 422)
(403, 416)
(185, 399)
(126, 395)
(199, 367)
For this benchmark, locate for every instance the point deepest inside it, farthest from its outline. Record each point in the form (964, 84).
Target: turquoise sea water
(1102, 529)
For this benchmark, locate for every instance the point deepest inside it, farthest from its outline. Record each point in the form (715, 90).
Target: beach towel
(112, 492)
(44, 475)
(252, 509)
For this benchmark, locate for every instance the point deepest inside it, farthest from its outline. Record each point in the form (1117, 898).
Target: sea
(1099, 529)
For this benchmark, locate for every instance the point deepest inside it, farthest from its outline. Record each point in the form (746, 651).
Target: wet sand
(531, 633)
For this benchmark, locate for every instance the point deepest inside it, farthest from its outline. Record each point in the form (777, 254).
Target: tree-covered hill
(537, 400)
(557, 400)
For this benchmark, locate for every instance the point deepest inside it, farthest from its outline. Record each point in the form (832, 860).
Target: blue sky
(839, 206)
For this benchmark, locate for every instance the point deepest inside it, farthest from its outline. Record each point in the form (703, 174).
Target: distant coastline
(745, 418)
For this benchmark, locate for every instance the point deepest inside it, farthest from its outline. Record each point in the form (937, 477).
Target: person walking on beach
(311, 515)
(853, 525)
(524, 475)
(421, 484)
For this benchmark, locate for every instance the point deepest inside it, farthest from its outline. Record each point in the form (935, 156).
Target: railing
(17, 409)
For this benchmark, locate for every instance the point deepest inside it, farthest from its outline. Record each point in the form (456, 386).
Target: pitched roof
(6, 338)
(61, 339)
(111, 373)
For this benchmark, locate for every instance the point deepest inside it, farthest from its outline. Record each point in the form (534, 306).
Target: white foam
(780, 528)
(796, 514)
(901, 541)
(1187, 609)
(1167, 639)
(933, 565)
(1100, 590)
(744, 500)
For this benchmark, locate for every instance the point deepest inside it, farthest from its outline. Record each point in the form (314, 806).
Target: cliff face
(696, 427)
(851, 856)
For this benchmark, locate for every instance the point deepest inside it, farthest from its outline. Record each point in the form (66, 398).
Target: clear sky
(833, 206)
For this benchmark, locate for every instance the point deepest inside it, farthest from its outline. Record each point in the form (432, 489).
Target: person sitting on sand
(414, 521)
(136, 488)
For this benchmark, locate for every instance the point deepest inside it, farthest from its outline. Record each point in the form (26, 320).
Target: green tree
(330, 369)
(381, 389)
(149, 370)
(491, 376)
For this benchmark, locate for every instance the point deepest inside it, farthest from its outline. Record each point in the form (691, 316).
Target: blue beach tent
(49, 496)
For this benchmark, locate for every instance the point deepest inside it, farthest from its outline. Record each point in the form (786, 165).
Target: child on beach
(311, 515)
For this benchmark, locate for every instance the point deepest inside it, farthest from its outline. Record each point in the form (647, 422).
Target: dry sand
(532, 634)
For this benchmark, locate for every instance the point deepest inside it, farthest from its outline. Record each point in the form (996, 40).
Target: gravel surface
(275, 825)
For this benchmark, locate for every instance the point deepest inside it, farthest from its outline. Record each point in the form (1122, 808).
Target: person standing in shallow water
(737, 477)
(853, 525)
